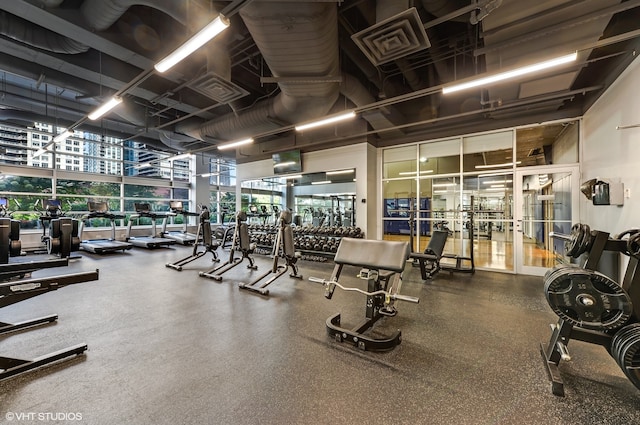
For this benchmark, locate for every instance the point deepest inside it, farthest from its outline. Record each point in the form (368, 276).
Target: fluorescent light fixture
(295, 176)
(39, 152)
(207, 174)
(497, 185)
(501, 173)
(497, 181)
(423, 159)
(409, 173)
(142, 165)
(326, 121)
(214, 28)
(504, 164)
(235, 144)
(484, 81)
(284, 164)
(322, 182)
(180, 156)
(441, 191)
(109, 105)
(497, 189)
(62, 136)
(444, 184)
(333, 173)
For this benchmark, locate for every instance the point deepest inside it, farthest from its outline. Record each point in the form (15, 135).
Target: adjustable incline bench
(16, 291)
(381, 262)
(429, 261)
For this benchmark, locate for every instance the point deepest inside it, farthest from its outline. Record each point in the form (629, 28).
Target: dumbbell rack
(564, 331)
(302, 233)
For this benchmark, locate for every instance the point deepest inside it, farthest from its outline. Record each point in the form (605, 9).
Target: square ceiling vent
(217, 88)
(393, 38)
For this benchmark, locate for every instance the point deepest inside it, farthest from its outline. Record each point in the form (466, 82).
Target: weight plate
(551, 272)
(619, 338)
(630, 357)
(587, 239)
(588, 299)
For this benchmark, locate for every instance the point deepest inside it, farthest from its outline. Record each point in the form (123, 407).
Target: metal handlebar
(398, 297)
(560, 236)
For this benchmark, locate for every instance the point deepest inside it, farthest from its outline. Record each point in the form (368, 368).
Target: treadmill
(100, 246)
(180, 236)
(152, 241)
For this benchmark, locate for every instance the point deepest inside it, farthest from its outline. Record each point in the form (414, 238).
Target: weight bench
(242, 241)
(284, 247)
(382, 262)
(13, 292)
(429, 261)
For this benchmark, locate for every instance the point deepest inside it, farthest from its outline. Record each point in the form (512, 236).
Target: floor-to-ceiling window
(465, 185)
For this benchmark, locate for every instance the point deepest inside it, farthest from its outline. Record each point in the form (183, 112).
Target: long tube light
(326, 121)
(179, 156)
(38, 152)
(504, 164)
(212, 29)
(511, 74)
(332, 173)
(106, 107)
(235, 144)
(322, 182)
(62, 136)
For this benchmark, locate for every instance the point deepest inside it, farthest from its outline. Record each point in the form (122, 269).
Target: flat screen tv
(287, 162)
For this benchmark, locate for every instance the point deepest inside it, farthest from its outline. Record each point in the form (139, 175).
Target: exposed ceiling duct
(285, 62)
(299, 42)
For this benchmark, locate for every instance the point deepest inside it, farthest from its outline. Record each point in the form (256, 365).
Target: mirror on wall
(324, 198)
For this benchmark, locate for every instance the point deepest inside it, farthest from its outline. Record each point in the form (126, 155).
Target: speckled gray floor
(168, 347)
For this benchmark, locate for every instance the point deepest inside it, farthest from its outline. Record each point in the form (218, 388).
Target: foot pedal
(388, 311)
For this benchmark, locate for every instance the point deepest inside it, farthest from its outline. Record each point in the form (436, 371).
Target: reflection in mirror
(317, 199)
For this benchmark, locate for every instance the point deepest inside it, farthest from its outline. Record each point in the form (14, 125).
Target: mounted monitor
(287, 162)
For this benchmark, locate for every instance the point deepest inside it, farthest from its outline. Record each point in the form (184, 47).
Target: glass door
(546, 201)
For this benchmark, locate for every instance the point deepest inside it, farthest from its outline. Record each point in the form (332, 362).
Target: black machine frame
(283, 247)
(17, 291)
(242, 241)
(204, 238)
(382, 263)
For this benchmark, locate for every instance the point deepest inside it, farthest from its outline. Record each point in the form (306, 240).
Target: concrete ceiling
(282, 63)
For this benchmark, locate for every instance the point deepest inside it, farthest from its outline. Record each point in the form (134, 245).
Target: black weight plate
(571, 247)
(549, 275)
(588, 299)
(625, 340)
(630, 357)
(587, 239)
(619, 338)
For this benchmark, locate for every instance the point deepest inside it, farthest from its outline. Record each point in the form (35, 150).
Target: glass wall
(91, 167)
(464, 186)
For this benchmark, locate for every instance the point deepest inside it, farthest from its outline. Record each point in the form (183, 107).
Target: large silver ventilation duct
(296, 40)
(24, 31)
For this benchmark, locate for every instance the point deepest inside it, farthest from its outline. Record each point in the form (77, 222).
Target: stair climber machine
(59, 233)
(100, 246)
(153, 240)
(204, 238)
(10, 246)
(180, 236)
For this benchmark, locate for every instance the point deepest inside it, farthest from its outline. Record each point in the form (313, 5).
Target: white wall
(361, 156)
(613, 154)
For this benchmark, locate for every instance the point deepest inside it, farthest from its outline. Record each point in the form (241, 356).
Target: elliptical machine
(203, 236)
(10, 245)
(62, 236)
